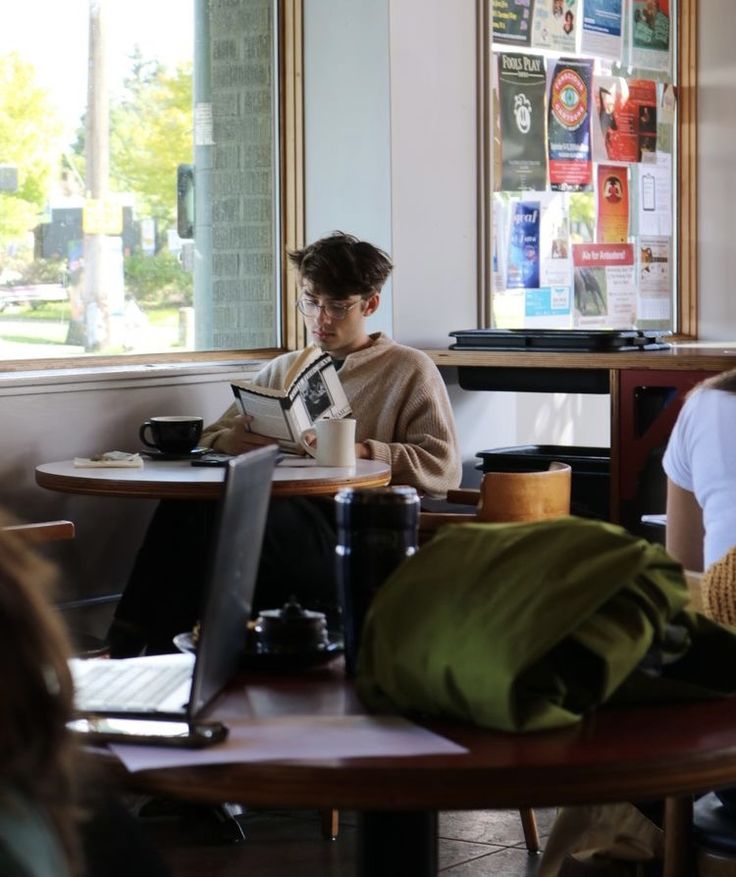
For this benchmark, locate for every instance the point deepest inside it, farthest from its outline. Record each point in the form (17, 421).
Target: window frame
(685, 306)
(290, 163)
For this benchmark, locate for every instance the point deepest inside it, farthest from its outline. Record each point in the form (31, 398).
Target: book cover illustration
(312, 392)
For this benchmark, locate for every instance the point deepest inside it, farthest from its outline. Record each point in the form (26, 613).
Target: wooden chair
(508, 497)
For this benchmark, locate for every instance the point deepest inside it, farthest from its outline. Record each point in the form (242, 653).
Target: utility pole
(103, 292)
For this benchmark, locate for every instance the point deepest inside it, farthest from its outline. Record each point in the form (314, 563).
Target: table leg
(678, 827)
(396, 844)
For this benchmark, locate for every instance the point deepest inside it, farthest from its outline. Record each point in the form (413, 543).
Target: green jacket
(529, 626)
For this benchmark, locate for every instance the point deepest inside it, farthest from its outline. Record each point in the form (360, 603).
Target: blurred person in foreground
(403, 418)
(38, 817)
(56, 819)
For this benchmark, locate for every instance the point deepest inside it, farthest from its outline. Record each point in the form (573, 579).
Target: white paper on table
(110, 460)
(298, 738)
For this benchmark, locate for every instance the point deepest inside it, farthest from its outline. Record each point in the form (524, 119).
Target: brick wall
(243, 246)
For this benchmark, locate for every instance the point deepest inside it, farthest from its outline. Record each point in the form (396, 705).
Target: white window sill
(95, 377)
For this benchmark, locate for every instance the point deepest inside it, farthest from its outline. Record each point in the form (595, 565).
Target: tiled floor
(474, 844)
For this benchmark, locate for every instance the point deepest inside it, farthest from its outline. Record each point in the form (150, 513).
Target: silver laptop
(179, 686)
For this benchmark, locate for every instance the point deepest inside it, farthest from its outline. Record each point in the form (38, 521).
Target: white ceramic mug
(334, 442)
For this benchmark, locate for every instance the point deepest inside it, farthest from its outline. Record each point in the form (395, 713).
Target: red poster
(613, 204)
(625, 118)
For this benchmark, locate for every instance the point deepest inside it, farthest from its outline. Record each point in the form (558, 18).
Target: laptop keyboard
(137, 688)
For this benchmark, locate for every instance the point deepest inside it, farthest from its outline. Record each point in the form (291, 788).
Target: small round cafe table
(167, 479)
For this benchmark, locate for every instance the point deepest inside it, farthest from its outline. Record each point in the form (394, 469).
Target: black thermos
(376, 529)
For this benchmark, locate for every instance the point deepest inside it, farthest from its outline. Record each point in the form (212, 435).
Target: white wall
(716, 170)
(433, 159)
(347, 126)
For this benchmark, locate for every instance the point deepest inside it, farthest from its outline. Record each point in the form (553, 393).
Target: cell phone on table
(212, 459)
(149, 732)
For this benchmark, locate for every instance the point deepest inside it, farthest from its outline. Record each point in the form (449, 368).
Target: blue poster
(602, 16)
(522, 271)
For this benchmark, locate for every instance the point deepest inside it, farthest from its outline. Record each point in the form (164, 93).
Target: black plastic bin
(591, 471)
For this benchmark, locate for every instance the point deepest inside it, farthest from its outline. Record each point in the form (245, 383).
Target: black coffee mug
(177, 434)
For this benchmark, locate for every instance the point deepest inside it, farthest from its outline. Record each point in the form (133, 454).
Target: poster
(613, 204)
(555, 263)
(655, 279)
(522, 85)
(605, 289)
(522, 267)
(650, 34)
(512, 21)
(554, 25)
(624, 119)
(548, 307)
(654, 188)
(570, 167)
(602, 29)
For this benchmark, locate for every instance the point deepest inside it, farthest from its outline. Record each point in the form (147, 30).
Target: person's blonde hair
(718, 585)
(36, 749)
(723, 381)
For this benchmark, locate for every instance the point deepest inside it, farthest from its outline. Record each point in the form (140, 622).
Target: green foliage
(157, 279)
(150, 134)
(30, 139)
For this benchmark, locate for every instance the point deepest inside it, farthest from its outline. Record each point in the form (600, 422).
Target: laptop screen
(228, 597)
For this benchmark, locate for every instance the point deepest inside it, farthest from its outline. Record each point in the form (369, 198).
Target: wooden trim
(687, 176)
(484, 146)
(291, 99)
(614, 485)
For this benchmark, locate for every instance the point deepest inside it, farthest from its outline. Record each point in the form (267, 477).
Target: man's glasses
(334, 311)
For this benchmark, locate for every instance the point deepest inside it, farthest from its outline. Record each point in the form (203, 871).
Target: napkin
(110, 459)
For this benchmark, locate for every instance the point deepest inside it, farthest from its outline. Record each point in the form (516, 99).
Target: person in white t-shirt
(700, 463)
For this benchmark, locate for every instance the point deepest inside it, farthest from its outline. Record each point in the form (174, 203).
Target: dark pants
(164, 592)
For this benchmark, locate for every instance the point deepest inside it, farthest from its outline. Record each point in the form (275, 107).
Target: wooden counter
(647, 389)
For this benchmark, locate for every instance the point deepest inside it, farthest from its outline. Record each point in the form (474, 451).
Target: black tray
(586, 340)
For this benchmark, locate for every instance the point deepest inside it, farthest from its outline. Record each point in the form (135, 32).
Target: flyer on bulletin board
(522, 267)
(602, 29)
(604, 286)
(613, 204)
(651, 34)
(570, 166)
(512, 21)
(521, 85)
(553, 25)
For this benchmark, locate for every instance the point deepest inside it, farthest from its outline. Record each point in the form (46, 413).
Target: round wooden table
(615, 754)
(160, 479)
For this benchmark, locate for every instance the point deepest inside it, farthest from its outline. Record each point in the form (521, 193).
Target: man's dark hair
(340, 265)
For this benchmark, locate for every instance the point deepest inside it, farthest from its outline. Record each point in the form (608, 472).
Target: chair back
(507, 497)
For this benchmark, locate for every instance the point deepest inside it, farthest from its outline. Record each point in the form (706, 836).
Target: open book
(312, 391)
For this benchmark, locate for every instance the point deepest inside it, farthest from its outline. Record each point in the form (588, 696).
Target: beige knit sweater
(401, 407)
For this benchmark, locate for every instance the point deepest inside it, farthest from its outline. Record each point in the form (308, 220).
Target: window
(587, 205)
(104, 109)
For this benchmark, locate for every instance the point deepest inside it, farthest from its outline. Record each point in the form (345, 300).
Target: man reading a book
(403, 418)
